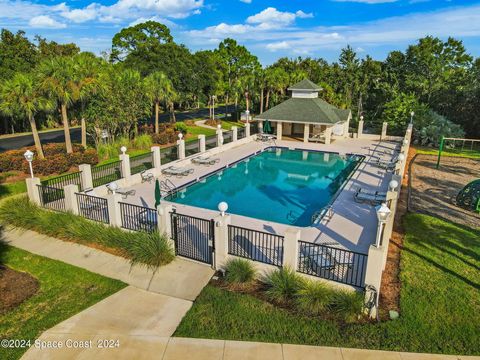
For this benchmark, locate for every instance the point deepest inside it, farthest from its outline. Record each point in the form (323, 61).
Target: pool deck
(353, 226)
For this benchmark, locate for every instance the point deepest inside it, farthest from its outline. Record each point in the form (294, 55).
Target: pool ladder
(167, 185)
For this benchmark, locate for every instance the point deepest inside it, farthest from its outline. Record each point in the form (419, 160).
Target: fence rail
(138, 218)
(255, 245)
(240, 133)
(210, 142)
(93, 208)
(192, 147)
(141, 162)
(340, 265)
(227, 137)
(52, 198)
(168, 154)
(104, 174)
(68, 179)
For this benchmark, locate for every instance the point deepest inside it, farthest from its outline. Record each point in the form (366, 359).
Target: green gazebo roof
(305, 85)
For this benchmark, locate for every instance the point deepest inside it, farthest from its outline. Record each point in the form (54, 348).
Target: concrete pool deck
(353, 226)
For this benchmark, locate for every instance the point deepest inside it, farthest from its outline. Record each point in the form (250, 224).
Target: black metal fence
(193, 237)
(254, 128)
(138, 218)
(68, 179)
(192, 147)
(168, 154)
(227, 137)
(51, 197)
(104, 174)
(141, 162)
(210, 142)
(255, 245)
(93, 208)
(240, 133)
(340, 265)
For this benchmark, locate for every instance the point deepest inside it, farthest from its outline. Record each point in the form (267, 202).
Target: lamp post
(383, 213)
(213, 106)
(412, 113)
(29, 157)
(223, 206)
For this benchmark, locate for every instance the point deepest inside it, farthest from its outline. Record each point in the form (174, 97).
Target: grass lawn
(64, 291)
(473, 154)
(440, 302)
(13, 188)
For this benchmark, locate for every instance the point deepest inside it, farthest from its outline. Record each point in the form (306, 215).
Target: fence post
(157, 162)
(328, 135)
(181, 149)
(234, 133)
(360, 129)
(221, 240)
(125, 164)
(373, 273)
(32, 190)
(86, 175)
(219, 136)
(384, 131)
(115, 217)
(279, 130)
(290, 248)
(71, 203)
(201, 140)
(164, 223)
(247, 129)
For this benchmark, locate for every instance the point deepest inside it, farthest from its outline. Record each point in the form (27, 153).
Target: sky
(268, 28)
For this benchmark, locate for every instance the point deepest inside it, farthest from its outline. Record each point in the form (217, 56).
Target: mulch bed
(15, 288)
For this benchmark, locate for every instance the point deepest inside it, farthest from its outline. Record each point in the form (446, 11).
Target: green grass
(227, 125)
(199, 130)
(8, 189)
(440, 302)
(65, 290)
(473, 154)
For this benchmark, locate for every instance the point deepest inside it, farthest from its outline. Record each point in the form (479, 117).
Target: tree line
(146, 72)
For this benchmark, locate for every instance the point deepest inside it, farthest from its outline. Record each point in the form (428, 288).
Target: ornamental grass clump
(348, 305)
(151, 250)
(239, 273)
(282, 285)
(314, 297)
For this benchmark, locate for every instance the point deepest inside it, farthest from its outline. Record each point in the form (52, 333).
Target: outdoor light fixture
(383, 213)
(401, 157)
(411, 117)
(392, 185)
(180, 136)
(223, 206)
(123, 149)
(29, 157)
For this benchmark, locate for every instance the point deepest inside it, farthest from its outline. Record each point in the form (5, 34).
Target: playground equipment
(458, 145)
(469, 197)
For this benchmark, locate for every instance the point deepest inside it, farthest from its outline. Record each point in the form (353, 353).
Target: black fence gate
(194, 237)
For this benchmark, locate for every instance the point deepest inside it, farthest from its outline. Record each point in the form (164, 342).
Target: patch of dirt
(15, 288)
(433, 191)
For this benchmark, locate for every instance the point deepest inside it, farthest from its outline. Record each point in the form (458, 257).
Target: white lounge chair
(205, 160)
(317, 138)
(372, 198)
(114, 189)
(177, 171)
(146, 177)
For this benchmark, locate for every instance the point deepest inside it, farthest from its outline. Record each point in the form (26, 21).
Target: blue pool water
(279, 185)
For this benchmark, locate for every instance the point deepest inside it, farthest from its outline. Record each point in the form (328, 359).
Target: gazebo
(306, 115)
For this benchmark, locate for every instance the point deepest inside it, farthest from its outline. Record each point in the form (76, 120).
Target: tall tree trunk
(172, 113)
(261, 100)
(156, 117)
(66, 129)
(267, 100)
(236, 107)
(36, 138)
(84, 133)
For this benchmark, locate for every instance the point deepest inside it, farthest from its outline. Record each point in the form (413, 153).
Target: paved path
(201, 123)
(144, 321)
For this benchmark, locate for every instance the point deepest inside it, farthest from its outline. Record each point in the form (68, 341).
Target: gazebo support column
(279, 130)
(328, 135)
(306, 133)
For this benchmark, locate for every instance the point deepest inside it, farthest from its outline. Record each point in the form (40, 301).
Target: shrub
(181, 127)
(348, 305)
(189, 122)
(142, 142)
(239, 272)
(211, 122)
(282, 285)
(152, 250)
(433, 126)
(314, 297)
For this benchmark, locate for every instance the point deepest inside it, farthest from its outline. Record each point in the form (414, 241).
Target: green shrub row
(285, 287)
(149, 249)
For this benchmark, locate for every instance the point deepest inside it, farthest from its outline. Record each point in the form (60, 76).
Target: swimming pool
(278, 184)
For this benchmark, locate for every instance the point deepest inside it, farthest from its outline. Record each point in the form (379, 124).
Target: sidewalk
(143, 321)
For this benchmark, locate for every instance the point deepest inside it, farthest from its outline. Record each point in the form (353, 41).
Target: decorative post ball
(223, 206)
(361, 118)
(123, 149)
(393, 185)
(219, 126)
(401, 157)
(180, 136)
(405, 142)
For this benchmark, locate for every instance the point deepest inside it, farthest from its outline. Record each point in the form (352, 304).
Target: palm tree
(21, 96)
(58, 82)
(158, 88)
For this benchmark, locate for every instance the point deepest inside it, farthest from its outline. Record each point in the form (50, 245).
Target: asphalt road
(57, 136)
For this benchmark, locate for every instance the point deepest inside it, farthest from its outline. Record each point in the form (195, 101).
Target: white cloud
(91, 12)
(246, 1)
(45, 22)
(271, 18)
(282, 45)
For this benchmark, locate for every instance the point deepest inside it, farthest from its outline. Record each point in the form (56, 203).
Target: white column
(32, 190)
(181, 149)
(219, 137)
(126, 173)
(247, 129)
(86, 176)
(71, 203)
(290, 248)
(328, 135)
(114, 209)
(221, 240)
(373, 273)
(201, 139)
(234, 133)
(384, 131)
(164, 221)
(279, 130)
(360, 129)
(260, 126)
(157, 160)
(306, 132)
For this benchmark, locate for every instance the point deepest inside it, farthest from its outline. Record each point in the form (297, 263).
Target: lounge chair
(176, 171)
(114, 189)
(205, 160)
(317, 137)
(371, 198)
(372, 192)
(382, 162)
(146, 177)
(90, 204)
